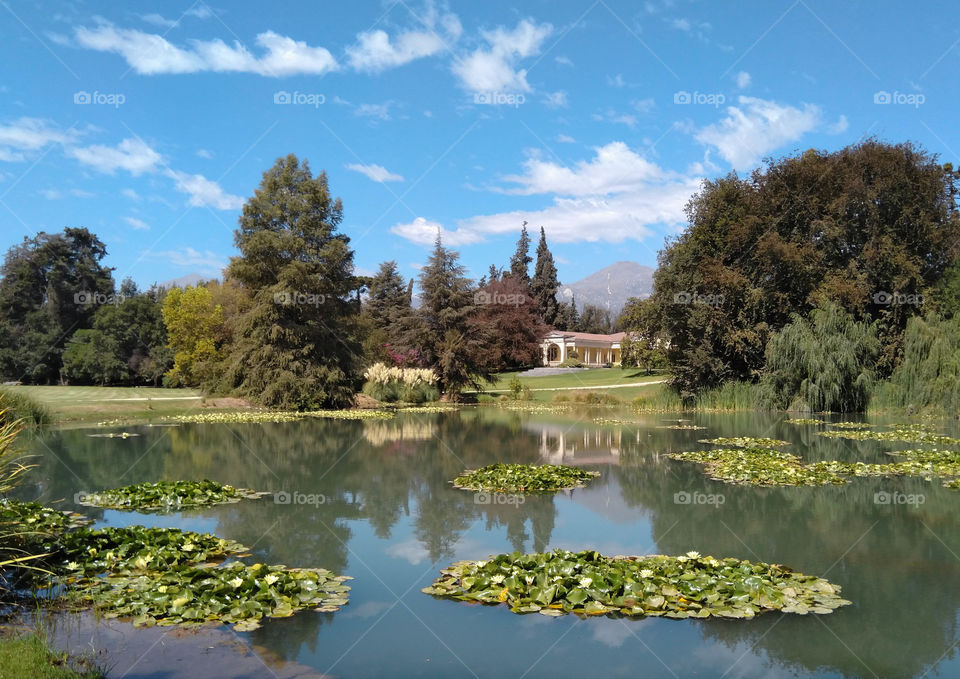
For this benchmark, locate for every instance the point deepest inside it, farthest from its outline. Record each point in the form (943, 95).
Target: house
(592, 349)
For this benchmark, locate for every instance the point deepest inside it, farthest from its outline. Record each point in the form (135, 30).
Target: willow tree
(295, 346)
(823, 362)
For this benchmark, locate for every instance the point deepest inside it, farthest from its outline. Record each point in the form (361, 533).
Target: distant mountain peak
(611, 286)
(184, 281)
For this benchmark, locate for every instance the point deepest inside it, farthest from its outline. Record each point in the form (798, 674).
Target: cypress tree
(520, 262)
(544, 284)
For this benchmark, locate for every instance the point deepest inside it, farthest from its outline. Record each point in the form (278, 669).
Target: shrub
(571, 362)
(392, 384)
(16, 405)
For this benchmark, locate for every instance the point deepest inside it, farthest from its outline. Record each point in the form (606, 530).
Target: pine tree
(295, 346)
(544, 284)
(520, 262)
(387, 299)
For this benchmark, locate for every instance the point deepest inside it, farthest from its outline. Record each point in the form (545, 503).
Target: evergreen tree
(295, 346)
(386, 307)
(439, 327)
(544, 284)
(520, 262)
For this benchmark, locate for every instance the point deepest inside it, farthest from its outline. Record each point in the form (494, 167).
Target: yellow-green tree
(194, 322)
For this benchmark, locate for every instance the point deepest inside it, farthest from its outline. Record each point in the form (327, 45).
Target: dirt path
(583, 388)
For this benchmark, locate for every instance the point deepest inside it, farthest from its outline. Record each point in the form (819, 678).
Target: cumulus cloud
(132, 155)
(743, 80)
(207, 262)
(556, 99)
(204, 192)
(151, 54)
(493, 68)
(375, 51)
(424, 232)
(24, 135)
(756, 127)
(615, 195)
(136, 224)
(377, 173)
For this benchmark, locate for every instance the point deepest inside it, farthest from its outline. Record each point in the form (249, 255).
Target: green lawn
(584, 379)
(28, 657)
(68, 404)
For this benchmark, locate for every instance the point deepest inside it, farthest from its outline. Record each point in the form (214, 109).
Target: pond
(372, 499)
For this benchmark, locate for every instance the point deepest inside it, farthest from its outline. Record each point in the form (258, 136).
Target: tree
(51, 286)
(296, 345)
(596, 320)
(521, 259)
(94, 357)
(387, 304)
(439, 328)
(506, 319)
(871, 227)
(823, 362)
(193, 323)
(136, 329)
(544, 284)
(568, 318)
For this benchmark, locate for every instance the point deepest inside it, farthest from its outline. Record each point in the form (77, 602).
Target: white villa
(593, 350)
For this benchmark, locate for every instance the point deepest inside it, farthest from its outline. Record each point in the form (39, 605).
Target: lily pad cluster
(169, 495)
(804, 420)
(746, 442)
(906, 434)
(681, 427)
(760, 466)
(235, 593)
(279, 416)
(588, 583)
(35, 519)
(850, 425)
(522, 478)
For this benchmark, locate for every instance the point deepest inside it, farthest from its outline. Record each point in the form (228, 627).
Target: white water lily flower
(271, 578)
(497, 579)
(236, 582)
(693, 555)
(73, 566)
(586, 582)
(481, 564)
(646, 573)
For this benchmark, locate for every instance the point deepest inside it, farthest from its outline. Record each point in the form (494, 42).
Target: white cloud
(80, 193)
(204, 192)
(424, 232)
(565, 139)
(613, 116)
(150, 54)
(131, 194)
(556, 99)
(204, 153)
(743, 80)
(840, 126)
(375, 51)
(30, 134)
(50, 194)
(492, 68)
(614, 196)
(614, 169)
(207, 262)
(158, 20)
(755, 128)
(681, 24)
(377, 173)
(380, 111)
(137, 224)
(132, 155)
(563, 61)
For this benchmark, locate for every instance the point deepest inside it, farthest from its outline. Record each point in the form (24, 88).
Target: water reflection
(390, 518)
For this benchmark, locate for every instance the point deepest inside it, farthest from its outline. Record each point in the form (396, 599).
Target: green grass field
(28, 657)
(69, 404)
(623, 383)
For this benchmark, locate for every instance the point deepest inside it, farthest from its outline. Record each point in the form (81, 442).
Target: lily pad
(746, 442)
(521, 478)
(588, 583)
(169, 495)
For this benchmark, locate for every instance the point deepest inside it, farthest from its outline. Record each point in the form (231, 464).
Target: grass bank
(28, 656)
(622, 384)
(93, 404)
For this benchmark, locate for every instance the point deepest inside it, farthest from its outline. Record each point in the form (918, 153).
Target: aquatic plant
(169, 495)
(521, 478)
(746, 442)
(588, 583)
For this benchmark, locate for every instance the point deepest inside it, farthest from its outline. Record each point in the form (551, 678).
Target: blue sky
(150, 123)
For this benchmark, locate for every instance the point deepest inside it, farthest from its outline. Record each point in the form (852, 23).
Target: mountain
(611, 286)
(184, 281)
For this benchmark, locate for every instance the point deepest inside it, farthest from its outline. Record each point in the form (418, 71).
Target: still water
(372, 499)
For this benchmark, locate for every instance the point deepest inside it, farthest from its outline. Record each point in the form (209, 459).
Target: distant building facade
(593, 350)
